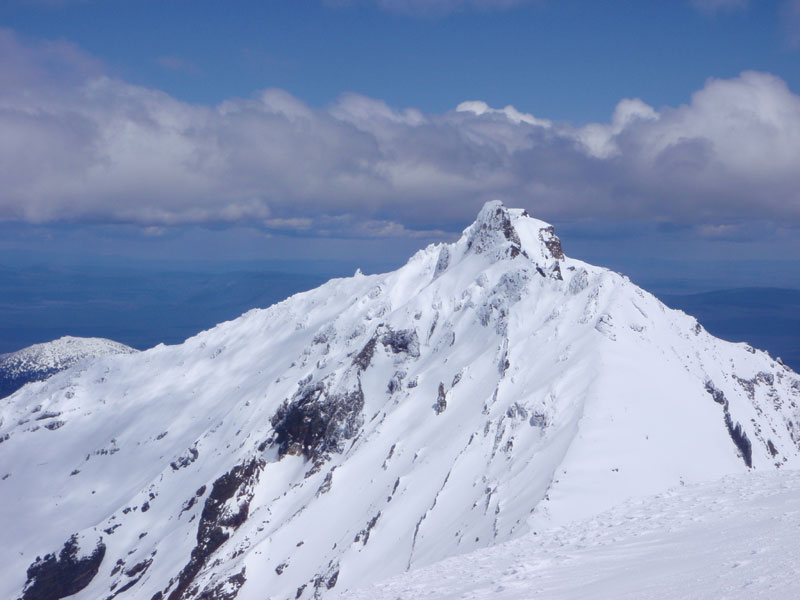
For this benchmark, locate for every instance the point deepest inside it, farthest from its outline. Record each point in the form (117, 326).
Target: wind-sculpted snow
(488, 388)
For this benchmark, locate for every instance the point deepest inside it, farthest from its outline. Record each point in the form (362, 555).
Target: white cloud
(78, 146)
(478, 107)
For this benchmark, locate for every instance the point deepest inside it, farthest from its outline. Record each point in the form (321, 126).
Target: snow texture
(732, 538)
(488, 389)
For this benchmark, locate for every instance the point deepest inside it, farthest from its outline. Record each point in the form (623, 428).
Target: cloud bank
(79, 146)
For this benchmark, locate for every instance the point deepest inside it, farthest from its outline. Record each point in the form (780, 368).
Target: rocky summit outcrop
(490, 387)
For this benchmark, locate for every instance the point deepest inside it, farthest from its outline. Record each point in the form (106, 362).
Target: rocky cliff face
(486, 389)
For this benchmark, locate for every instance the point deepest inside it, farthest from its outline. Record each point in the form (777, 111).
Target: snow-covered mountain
(40, 361)
(489, 388)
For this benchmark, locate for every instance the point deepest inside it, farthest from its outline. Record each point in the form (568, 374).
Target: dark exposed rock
(741, 440)
(328, 334)
(55, 577)
(185, 460)
(555, 272)
(441, 401)
(363, 535)
(219, 516)
(493, 225)
(443, 261)
(136, 572)
(326, 581)
(716, 394)
(403, 340)
(364, 357)
(225, 590)
(317, 421)
(551, 242)
(325, 487)
(48, 415)
(772, 449)
(736, 431)
(396, 382)
(117, 566)
(191, 501)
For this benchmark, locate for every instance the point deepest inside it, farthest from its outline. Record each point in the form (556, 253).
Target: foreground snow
(738, 537)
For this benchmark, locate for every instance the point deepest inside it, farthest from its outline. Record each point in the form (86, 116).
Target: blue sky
(345, 129)
(567, 60)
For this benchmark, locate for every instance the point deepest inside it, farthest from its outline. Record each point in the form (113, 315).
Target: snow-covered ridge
(380, 423)
(40, 361)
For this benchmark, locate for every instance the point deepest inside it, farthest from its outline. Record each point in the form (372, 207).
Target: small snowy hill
(488, 388)
(40, 361)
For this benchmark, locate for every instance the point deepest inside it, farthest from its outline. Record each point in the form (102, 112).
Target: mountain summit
(488, 388)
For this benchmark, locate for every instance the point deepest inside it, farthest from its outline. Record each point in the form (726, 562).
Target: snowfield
(488, 389)
(733, 538)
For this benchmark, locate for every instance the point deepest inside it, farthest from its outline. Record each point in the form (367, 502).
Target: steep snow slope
(375, 424)
(734, 538)
(40, 361)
